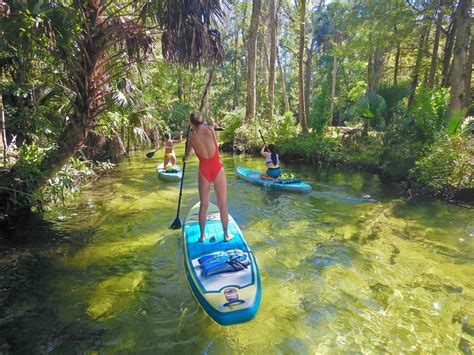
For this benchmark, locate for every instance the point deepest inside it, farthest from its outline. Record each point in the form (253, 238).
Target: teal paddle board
(223, 276)
(254, 177)
(166, 175)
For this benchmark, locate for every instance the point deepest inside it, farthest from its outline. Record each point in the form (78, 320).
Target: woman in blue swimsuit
(272, 160)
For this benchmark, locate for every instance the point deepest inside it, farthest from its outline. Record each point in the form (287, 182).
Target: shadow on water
(28, 271)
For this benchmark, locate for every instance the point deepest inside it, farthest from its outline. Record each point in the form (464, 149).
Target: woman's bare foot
(201, 238)
(228, 237)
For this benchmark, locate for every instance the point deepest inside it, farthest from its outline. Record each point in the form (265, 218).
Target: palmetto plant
(134, 114)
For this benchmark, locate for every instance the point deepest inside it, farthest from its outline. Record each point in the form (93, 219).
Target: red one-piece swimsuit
(210, 168)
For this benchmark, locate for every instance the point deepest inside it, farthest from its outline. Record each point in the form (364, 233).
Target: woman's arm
(189, 149)
(180, 138)
(263, 152)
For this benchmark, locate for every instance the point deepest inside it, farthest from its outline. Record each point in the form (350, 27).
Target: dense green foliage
(246, 137)
(416, 142)
(394, 112)
(78, 86)
(447, 166)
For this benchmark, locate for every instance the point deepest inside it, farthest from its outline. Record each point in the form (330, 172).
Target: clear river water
(352, 267)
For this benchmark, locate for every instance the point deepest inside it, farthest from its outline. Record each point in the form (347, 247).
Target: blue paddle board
(254, 176)
(175, 175)
(228, 297)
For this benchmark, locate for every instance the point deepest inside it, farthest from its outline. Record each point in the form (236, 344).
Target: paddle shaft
(261, 136)
(181, 183)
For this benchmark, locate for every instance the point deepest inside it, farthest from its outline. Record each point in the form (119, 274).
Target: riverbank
(443, 169)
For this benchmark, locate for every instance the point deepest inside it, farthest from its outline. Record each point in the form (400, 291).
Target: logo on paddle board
(232, 297)
(231, 294)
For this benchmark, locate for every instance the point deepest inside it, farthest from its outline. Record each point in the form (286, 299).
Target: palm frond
(393, 94)
(455, 123)
(120, 99)
(188, 38)
(141, 135)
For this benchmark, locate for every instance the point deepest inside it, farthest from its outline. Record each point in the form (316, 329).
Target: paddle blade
(150, 155)
(176, 224)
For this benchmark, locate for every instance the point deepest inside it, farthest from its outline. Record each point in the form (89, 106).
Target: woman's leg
(173, 159)
(220, 185)
(204, 192)
(166, 161)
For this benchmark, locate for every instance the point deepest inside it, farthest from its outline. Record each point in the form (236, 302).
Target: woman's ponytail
(274, 156)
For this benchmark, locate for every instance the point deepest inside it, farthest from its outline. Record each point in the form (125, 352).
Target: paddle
(177, 223)
(261, 136)
(150, 154)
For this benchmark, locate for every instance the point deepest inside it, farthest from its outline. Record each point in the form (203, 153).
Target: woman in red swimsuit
(203, 141)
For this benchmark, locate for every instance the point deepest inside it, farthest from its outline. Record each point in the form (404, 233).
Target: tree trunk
(460, 60)
(207, 88)
(244, 20)
(19, 125)
(426, 49)
(397, 59)
(180, 85)
(129, 138)
(262, 74)
(416, 70)
(4, 132)
(70, 141)
(286, 103)
(434, 55)
(251, 61)
(264, 55)
(397, 64)
(235, 102)
(370, 72)
(307, 82)
(333, 90)
(379, 64)
(271, 74)
(375, 68)
(302, 112)
(468, 98)
(448, 50)
(308, 75)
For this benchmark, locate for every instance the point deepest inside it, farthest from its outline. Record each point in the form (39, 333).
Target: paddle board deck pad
(169, 175)
(295, 185)
(223, 276)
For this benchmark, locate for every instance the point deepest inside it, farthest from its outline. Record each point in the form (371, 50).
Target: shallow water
(349, 267)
